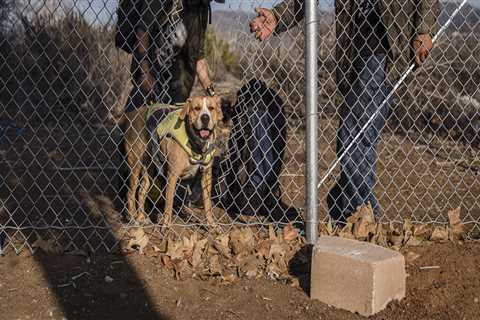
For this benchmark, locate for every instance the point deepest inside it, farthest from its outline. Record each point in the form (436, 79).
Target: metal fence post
(311, 94)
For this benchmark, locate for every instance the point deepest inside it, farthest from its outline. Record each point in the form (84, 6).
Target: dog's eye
(211, 108)
(197, 108)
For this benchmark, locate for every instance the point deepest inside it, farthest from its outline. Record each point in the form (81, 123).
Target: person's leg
(182, 81)
(355, 186)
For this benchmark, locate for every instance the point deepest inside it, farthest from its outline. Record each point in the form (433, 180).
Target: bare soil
(135, 287)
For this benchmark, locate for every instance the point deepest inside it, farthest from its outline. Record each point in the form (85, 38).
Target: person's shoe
(281, 213)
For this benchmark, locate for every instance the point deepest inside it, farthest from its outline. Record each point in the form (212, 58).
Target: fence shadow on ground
(98, 287)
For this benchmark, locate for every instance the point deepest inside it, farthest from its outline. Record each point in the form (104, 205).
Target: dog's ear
(218, 105)
(185, 109)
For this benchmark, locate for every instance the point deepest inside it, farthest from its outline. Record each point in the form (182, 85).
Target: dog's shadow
(300, 267)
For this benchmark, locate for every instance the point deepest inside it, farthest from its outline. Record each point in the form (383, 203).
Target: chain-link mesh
(86, 153)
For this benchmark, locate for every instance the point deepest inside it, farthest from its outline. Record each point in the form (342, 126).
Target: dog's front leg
(207, 195)
(142, 195)
(169, 197)
(132, 190)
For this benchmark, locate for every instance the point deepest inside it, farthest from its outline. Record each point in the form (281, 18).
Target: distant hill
(228, 24)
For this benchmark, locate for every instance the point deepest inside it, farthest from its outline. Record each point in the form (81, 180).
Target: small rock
(108, 279)
(475, 300)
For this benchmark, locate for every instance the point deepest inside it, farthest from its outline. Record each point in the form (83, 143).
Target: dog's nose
(205, 119)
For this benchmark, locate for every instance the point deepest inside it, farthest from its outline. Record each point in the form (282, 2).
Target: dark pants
(177, 91)
(255, 154)
(355, 185)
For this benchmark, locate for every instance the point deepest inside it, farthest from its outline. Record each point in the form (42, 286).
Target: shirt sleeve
(151, 10)
(288, 13)
(426, 17)
(196, 25)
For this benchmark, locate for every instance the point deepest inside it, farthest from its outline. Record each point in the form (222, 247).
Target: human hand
(264, 24)
(422, 44)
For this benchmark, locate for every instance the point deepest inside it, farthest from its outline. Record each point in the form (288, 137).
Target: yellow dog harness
(175, 127)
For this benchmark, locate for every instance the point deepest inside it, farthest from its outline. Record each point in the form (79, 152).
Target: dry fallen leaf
(380, 237)
(407, 230)
(395, 237)
(277, 250)
(175, 250)
(197, 253)
(215, 267)
(456, 224)
(290, 233)
(414, 241)
(229, 277)
(439, 234)
(271, 233)
(182, 269)
(347, 231)
(422, 231)
(188, 244)
(330, 229)
(273, 271)
(250, 268)
(139, 239)
(263, 249)
(167, 262)
(363, 222)
(221, 245)
(242, 240)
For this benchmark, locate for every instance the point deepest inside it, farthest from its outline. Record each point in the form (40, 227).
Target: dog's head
(203, 114)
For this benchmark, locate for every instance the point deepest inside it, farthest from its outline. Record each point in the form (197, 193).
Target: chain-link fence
(86, 153)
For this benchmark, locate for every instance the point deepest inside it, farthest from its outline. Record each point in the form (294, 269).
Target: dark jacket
(403, 19)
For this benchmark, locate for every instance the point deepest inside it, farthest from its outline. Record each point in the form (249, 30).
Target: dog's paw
(214, 228)
(141, 216)
(166, 222)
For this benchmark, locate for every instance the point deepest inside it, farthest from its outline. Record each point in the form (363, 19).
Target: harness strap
(173, 127)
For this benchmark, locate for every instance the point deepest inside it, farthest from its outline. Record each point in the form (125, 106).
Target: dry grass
(58, 67)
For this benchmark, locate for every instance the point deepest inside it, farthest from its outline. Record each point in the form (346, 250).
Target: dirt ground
(135, 287)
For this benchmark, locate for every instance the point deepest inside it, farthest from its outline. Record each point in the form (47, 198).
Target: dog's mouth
(203, 133)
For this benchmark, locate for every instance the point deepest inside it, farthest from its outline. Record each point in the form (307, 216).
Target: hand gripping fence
(391, 93)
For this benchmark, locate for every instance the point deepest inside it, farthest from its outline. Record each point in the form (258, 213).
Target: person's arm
(146, 79)
(425, 21)
(203, 77)
(288, 14)
(283, 16)
(426, 16)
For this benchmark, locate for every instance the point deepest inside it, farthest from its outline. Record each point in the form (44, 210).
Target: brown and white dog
(201, 116)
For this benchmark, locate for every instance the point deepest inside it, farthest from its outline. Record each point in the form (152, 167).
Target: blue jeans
(267, 147)
(355, 185)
